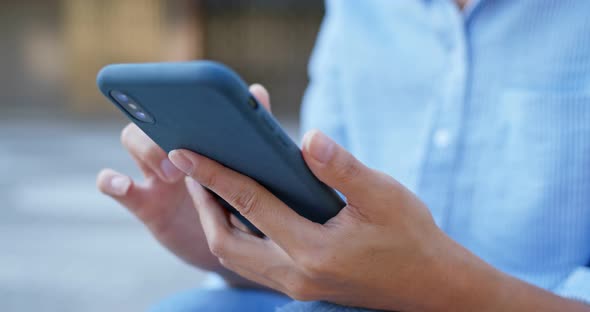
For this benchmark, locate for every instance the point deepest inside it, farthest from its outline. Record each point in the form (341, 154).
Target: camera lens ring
(132, 107)
(120, 96)
(140, 115)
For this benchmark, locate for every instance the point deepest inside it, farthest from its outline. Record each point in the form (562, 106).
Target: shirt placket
(439, 165)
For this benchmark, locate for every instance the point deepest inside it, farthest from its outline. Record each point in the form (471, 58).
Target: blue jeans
(230, 300)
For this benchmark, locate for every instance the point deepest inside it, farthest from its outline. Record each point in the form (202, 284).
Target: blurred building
(50, 51)
(64, 246)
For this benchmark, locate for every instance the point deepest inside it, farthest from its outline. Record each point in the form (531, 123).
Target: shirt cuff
(576, 286)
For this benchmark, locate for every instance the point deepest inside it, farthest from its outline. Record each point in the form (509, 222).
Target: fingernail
(119, 185)
(170, 171)
(320, 147)
(181, 162)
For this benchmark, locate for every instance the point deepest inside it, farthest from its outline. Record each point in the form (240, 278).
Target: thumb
(336, 167)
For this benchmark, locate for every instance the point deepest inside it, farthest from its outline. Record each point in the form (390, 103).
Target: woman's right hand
(163, 203)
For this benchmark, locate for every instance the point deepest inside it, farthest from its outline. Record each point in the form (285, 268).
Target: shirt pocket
(532, 198)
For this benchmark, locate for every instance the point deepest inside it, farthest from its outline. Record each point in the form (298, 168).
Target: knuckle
(315, 265)
(226, 264)
(246, 201)
(217, 250)
(206, 179)
(301, 290)
(350, 170)
(217, 244)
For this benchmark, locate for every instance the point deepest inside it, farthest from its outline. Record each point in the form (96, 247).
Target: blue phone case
(205, 107)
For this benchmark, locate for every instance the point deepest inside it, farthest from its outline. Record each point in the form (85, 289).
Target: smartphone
(205, 107)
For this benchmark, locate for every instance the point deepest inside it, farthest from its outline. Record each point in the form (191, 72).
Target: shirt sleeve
(576, 285)
(321, 108)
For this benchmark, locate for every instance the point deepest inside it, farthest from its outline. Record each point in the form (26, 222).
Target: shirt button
(442, 138)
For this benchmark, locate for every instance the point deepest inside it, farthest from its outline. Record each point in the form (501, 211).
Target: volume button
(285, 141)
(268, 122)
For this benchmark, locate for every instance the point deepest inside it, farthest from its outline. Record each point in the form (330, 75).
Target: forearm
(521, 296)
(473, 285)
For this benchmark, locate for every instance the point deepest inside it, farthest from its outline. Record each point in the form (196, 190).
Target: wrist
(465, 282)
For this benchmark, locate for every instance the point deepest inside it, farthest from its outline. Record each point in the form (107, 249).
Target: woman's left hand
(382, 251)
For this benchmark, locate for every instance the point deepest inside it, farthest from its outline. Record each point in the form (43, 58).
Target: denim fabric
(297, 306)
(222, 300)
(234, 300)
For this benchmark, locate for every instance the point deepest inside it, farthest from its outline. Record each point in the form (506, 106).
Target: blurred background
(63, 246)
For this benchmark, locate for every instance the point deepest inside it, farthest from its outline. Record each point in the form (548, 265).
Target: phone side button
(285, 141)
(268, 122)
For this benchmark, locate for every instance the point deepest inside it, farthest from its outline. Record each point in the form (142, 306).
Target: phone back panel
(205, 107)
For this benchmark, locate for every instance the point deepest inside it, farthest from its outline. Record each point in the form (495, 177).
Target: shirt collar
(470, 8)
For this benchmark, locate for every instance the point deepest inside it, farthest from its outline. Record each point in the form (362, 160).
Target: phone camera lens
(120, 97)
(132, 107)
(140, 115)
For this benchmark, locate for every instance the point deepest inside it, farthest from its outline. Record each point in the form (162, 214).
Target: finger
(216, 223)
(336, 167)
(261, 95)
(254, 202)
(133, 196)
(253, 276)
(239, 225)
(127, 137)
(149, 156)
(240, 252)
(121, 188)
(113, 183)
(207, 205)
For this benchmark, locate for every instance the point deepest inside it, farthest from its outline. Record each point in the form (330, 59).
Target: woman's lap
(245, 300)
(221, 300)
(317, 306)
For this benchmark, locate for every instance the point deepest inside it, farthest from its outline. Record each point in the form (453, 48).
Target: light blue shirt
(485, 114)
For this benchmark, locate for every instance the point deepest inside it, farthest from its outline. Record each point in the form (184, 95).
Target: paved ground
(63, 246)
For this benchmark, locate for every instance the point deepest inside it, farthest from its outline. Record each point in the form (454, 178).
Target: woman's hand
(382, 251)
(162, 202)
